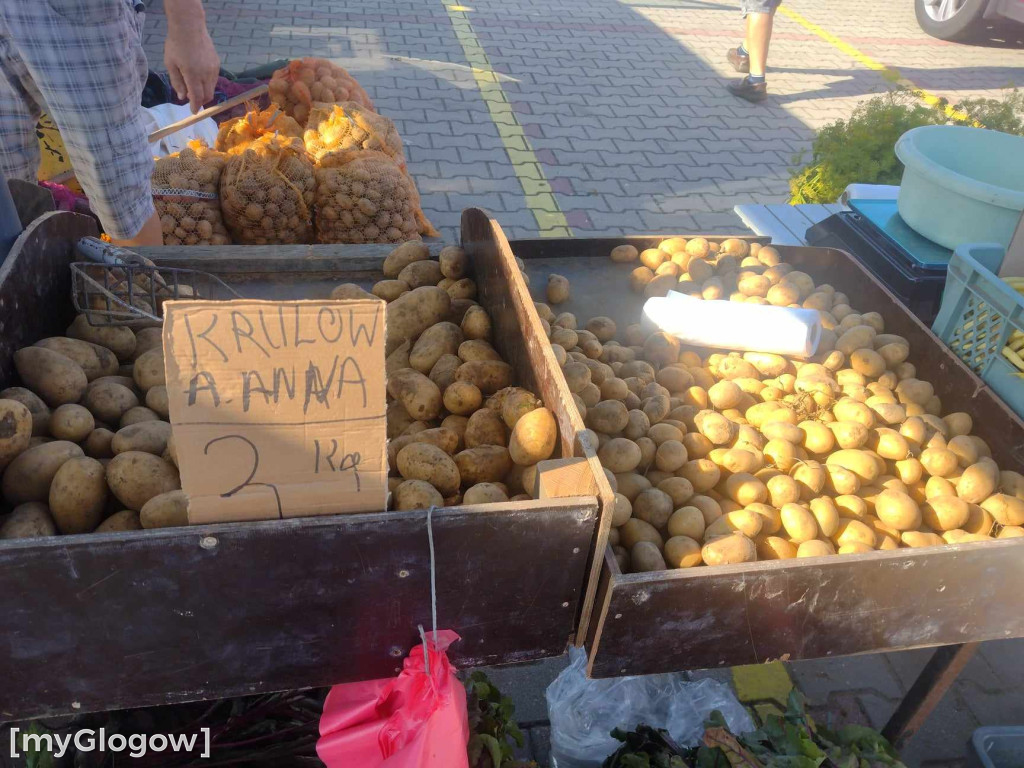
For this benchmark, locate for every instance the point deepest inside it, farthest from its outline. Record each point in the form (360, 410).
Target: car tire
(963, 24)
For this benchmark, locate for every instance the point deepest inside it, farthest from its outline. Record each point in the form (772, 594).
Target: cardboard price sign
(278, 407)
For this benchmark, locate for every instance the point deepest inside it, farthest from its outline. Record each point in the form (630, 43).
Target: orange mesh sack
(364, 197)
(334, 127)
(294, 88)
(186, 196)
(267, 192)
(235, 134)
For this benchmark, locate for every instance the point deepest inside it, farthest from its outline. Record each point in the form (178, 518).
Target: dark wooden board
(134, 619)
(127, 620)
(804, 609)
(830, 606)
(35, 283)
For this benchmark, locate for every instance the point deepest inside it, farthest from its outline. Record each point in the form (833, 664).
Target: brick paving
(622, 102)
(623, 106)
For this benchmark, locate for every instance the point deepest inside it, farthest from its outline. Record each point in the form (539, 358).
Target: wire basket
(134, 294)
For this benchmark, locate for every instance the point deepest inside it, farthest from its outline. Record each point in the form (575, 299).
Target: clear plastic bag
(583, 712)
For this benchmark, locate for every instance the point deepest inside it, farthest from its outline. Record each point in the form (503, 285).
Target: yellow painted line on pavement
(540, 199)
(890, 73)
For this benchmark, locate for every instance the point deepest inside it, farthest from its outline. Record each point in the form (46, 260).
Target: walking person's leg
(752, 54)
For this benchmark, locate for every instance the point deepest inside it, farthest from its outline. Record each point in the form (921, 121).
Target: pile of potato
(349, 126)
(729, 458)
(297, 86)
(267, 192)
(186, 196)
(233, 135)
(86, 445)
(364, 197)
(459, 430)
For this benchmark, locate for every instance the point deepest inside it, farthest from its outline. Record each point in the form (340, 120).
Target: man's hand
(191, 60)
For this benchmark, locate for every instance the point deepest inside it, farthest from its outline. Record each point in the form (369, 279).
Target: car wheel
(950, 19)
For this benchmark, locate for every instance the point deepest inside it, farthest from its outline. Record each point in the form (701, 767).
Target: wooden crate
(120, 620)
(742, 614)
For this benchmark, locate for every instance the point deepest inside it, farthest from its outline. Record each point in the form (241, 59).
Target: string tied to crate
(433, 593)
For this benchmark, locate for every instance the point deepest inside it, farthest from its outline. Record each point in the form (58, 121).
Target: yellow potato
(744, 489)
(646, 556)
(735, 548)
(166, 510)
(682, 552)
(944, 513)
(898, 510)
(917, 539)
(404, 255)
(635, 530)
(534, 437)
(858, 462)
(775, 548)
(799, 523)
(826, 514)
(78, 495)
(815, 548)
(135, 477)
(978, 482)
(1006, 509)
(740, 520)
(55, 378)
(482, 464)
(853, 532)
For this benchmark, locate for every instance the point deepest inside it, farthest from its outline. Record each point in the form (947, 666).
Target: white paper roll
(737, 326)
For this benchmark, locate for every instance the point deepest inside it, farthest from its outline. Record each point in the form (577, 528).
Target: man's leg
(759, 35)
(20, 108)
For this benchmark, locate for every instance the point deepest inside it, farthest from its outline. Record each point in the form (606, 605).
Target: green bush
(860, 150)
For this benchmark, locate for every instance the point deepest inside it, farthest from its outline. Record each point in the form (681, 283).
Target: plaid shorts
(82, 62)
(759, 6)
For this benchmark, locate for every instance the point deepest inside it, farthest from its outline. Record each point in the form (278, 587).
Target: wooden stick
(167, 130)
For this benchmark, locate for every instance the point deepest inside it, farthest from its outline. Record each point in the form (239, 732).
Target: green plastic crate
(978, 314)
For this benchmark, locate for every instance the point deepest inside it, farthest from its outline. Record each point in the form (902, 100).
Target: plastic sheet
(583, 712)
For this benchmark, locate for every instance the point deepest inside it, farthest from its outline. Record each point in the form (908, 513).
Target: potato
(944, 513)
(485, 493)
(1006, 509)
(485, 427)
(939, 462)
(137, 415)
(635, 530)
(117, 338)
(853, 532)
(488, 375)
(167, 510)
(630, 484)
(483, 464)
(799, 523)
(94, 360)
(1007, 532)
(858, 462)
(646, 556)
(462, 398)
(441, 339)
(39, 411)
(811, 476)
(715, 427)
(148, 436)
(149, 370)
(558, 289)
(687, 521)
(420, 397)
(744, 489)
(623, 254)
(817, 437)
(815, 548)
(389, 290)
(404, 255)
(125, 520)
(534, 437)
(978, 482)
(54, 377)
(15, 430)
(27, 521)
(917, 539)
(29, 475)
(744, 521)
(735, 548)
(771, 520)
(135, 477)
(608, 416)
(653, 506)
(703, 474)
(350, 291)
(898, 510)
(420, 273)
(453, 261)
(826, 513)
(412, 313)
(775, 548)
(78, 495)
(682, 552)
(619, 455)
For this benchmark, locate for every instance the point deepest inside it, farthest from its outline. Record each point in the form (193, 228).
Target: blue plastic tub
(961, 185)
(978, 313)
(1000, 746)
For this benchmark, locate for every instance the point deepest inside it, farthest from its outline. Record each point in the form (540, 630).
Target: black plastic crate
(919, 287)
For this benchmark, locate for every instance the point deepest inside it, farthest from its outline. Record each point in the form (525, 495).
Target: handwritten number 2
(252, 474)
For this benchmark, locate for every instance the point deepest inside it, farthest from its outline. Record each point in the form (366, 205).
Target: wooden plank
(35, 283)
(931, 685)
(157, 617)
(512, 307)
(703, 618)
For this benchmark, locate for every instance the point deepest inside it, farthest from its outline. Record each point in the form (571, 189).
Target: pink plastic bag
(410, 721)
